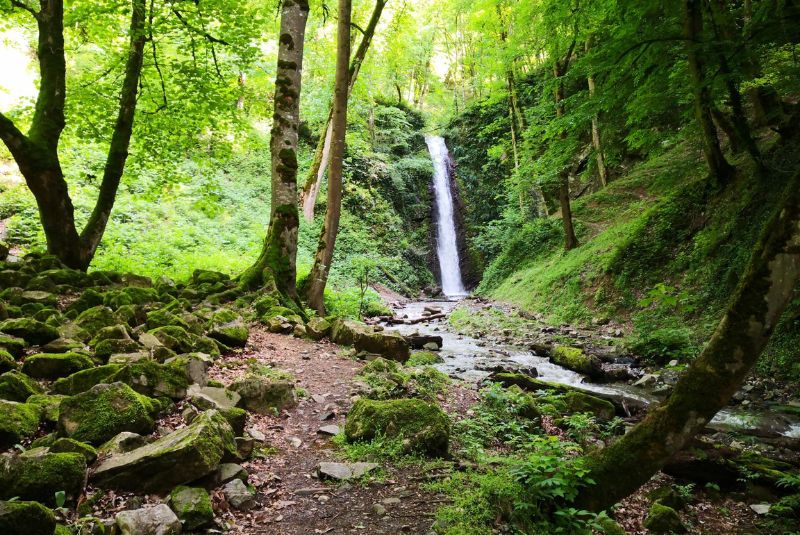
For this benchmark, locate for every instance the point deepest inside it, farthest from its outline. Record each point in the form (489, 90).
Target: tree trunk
(327, 240)
(37, 153)
(308, 197)
(596, 143)
(570, 240)
(708, 384)
(721, 171)
(276, 267)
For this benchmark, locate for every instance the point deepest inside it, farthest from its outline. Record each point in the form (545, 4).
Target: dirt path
(290, 499)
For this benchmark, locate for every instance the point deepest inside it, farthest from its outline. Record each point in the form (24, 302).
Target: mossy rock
(663, 519)
(264, 396)
(424, 358)
(48, 405)
(263, 304)
(131, 315)
(10, 278)
(237, 418)
(610, 527)
(62, 345)
(176, 459)
(318, 328)
(576, 360)
(69, 445)
(26, 518)
(112, 332)
(105, 410)
(90, 298)
(30, 330)
(52, 366)
(112, 346)
(67, 277)
(153, 379)
(86, 379)
(203, 276)
(131, 295)
(37, 475)
(424, 426)
(7, 362)
(95, 318)
(229, 328)
(164, 318)
(174, 337)
(17, 422)
(45, 298)
(13, 344)
(580, 402)
(192, 506)
(16, 386)
(668, 495)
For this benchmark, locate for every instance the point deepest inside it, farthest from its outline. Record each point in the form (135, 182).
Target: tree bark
(570, 240)
(762, 295)
(721, 171)
(602, 172)
(327, 240)
(276, 267)
(37, 153)
(308, 197)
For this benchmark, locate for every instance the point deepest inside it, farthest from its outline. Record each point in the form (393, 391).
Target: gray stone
(210, 397)
(192, 506)
(158, 520)
(344, 471)
(761, 508)
(264, 396)
(239, 496)
(122, 443)
(647, 380)
(329, 430)
(129, 358)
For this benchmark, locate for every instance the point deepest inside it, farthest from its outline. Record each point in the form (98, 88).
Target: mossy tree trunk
(707, 385)
(36, 153)
(602, 171)
(277, 263)
(308, 197)
(327, 240)
(721, 171)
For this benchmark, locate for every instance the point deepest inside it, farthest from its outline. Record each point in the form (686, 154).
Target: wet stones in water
(418, 341)
(506, 367)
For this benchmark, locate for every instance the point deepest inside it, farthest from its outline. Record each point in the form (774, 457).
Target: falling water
(446, 244)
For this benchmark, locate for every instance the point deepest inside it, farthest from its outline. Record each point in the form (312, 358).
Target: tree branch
(210, 38)
(12, 137)
(29, 9)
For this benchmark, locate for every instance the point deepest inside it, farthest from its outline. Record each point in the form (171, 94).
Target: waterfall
(446, 243)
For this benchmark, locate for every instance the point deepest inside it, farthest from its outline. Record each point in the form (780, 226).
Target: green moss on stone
(16, 386)
(153, 379)
(663, 519)
(38, 476)
(86, 379)
(580, 402)
(30, 330)
(95, 318)
(17, 421)
(26, 518)
(424, 358)
(192, 506)
(7, 362)
(575, 359)
(52, 366)
(48, 405)
(69, 445)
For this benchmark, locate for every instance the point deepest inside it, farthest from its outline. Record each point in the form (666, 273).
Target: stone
(318, 328)
(26, 518)
(229, 328)
(431, 346)
(581, 402)
(17, 422)
(192, 506)
(68, 445)
(180, 457)
(331, 430)
(761, 508)
(122, 443)
(37, 475)
(129, 358)
(378, 509)
(193, 365)
(47, 404)
(51, 366)
(32, 331)
(264, 396)
(344, 471)
(112, 332)
(104, 411)
(61, 345)
(388, 344)
(209, 397)
(662, 519)
(16, 386)
(153, 379)
(646, 380)
(44, 298)
(162, 318)
(424, 426)
(156, 520)
(13, 344)
(93, 319)
(575, 359)
(238, 495)
(86, 379)
(105, 348)
(7, 362)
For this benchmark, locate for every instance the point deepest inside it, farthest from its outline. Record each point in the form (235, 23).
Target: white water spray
(446, 243)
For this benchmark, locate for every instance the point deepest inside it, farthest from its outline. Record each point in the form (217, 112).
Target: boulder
(52, 366)
(47, 405)
(229, 328)
(93, 319)
(112, 332)
(238, 495)
(580, 402)
(68, 445)
(30, 330)
(122, 443)
(13, 344)
(16, 386)
(388, 344)
(209, 397)
(130, 295)
(662, 519)
(155, 520)
(576, 360)
(194, 366)
(174, 338)
(111, 346)
(26, 518)
(88, 299)
(85, 379)
(61, 345)
(423, 426)
(43, 298)
(153, 379)
(192, 506)
(344, 471)
(204, 276)
(17, 421)
(318, 328)
(264, 396)
(38, 475)
(105, 410)
(163, 318)
(7, 362)
(175, 459)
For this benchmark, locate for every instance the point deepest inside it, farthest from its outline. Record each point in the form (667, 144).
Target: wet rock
(104, 411)
(263, 396)
(576, 360)
(52, 366)
(175, 459)
(156, 520)
(344, 471)
(646, 380)
(26, 518)
(192, 506)
(37, 475)
(423, 426)
(239, 496)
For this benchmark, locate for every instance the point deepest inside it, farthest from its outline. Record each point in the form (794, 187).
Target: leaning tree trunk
(721, 171)
(570, 240)
(37, 153)
(707, 385)
(327, 240)
(277, 264)
(308, 197)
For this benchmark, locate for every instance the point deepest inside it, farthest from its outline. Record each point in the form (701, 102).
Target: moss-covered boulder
(88, 299)
(581, 402)
(7, 362)
(388, 344)
(192, 506)
(26, 518)
(52, 366)
(181, 457)
(48, 405)
(30, 330)
(229, 328)
(16, 386)
(163, 318)
(13, 344)
(105, 410)
(95, 318)
(663, 519)
(17, 421)
(85, 379)
(38, 475)
(69, 445)
(174, 337)
(424, 358)
(576, 360)
(153, 379)
(106, 348)
(61, 345)
(318, 328)
(130, 295)
(423, 426)
(264, 396)
(112, 332)
(203, 276)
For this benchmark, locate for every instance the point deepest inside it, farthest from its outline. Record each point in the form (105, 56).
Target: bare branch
(199, 31)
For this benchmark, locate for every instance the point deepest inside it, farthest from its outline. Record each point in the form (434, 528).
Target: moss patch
(17, 421)
(52, 366)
